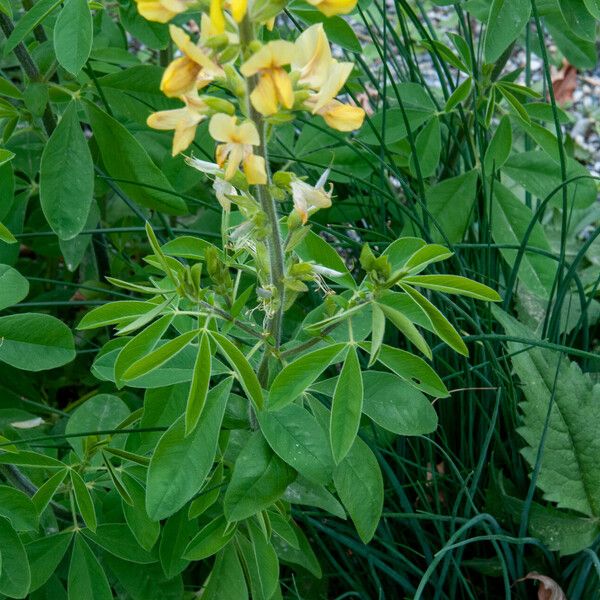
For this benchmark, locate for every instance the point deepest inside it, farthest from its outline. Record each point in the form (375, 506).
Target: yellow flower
(237, 8)
(162, 11)
(274, 87)
(342, 117)
(193, 70)
(336, 77)
(308, 199)
(236, 147)
(312, 56)
(183, 120)
(331, 8)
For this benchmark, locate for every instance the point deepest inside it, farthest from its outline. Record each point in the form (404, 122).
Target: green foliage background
(479, 160)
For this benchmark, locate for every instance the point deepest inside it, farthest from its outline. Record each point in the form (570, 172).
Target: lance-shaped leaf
(199, 385)
(346, 408)
(293, 380)
(454, 284)
(83, 499)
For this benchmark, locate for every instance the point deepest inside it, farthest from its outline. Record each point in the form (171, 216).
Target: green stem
(274, 241)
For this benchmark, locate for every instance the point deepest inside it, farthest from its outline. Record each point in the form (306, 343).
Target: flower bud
(219, 105)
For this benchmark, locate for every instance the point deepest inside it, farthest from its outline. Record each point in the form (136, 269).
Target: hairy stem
(274, 241)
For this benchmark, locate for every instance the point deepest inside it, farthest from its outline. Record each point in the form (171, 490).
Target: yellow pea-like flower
(183, 121)
(342, 117)
(162, 11)
(236, 147)
(274, 88)
(237, 8)
(312, 56)
(194, 70)
(331, 8)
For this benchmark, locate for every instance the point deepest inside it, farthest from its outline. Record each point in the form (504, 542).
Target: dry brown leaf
(564, 83)
(549, 589)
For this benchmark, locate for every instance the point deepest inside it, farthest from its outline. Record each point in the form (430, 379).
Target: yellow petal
(184, 136)
(222, 127)
(331, 8)
(183, 41)
(233, 162)
(283, 85)
(254, 169)
(273, 54)
(238, 9)
(166, 119)
(175, 6)
(248, 134)
(336, 78)
(264, 96)
(179, 77)
(221, 153)
(155, 11)
(342, 117)
(312, 56)
(217, 17)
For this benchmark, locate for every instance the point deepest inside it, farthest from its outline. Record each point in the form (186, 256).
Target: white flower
(223, 189)
(210, 168)
(309, 199)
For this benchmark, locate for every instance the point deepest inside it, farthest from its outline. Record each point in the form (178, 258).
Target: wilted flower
(274, 88)
(237, 147)
(309, 199)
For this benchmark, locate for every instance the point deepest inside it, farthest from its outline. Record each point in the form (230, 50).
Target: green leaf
(359, 484)
(412, 369)
(314, 248)
(506, 20)
(67, 176)
(454, 284)
(159, 356)
(302, 554)
(140, 345)
(177, 533)
(46, 491)
(210, 539)
(86, 576)
(33, 17)
(180, 463)
(18, 508)
(593, 7)
(296, 436)
(100, 412)
(570, 472)
(6, 236)
(511, 219)
(293, 380)
(406, 328)
(377, 331)
(346, 407)
(245, 373)
(460, 94)
(259, 479)
(6, 8)
(5, 156)
(499, 148)
(261, 562)
(578, 52)
(441, 326)
(31, 459)
(514, 102)
(44, 556)
(118, 539)
(13, 286)
(73, 35)
(35, 342)
(15, 575)
(84, 500)
(209, 493)
(426, 255)
(125, 159)
(199, 386)
(428, 146)
(397, 406)
(227, 581)
(306, 493)
(115, 312)
(145, 530)
(538, 174)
